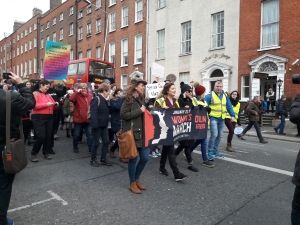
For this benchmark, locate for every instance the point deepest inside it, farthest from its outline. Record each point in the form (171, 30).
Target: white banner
(158, 70)
(154, 89)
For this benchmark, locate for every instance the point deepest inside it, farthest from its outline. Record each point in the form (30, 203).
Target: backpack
(295, 113)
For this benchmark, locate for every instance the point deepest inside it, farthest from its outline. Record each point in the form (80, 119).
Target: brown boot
(140, 185)
(229, 148)
(134, 188)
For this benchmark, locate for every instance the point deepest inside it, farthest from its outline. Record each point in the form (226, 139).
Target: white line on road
(255, 165)
(55, 197)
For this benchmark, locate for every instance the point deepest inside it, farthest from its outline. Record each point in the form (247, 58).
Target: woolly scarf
(234, 102)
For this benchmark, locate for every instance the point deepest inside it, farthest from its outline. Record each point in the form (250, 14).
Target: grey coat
(133, 112)
(251, 109)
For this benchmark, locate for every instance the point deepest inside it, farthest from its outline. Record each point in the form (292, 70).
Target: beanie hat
(184, 87)
(283, 96)
(199, 89)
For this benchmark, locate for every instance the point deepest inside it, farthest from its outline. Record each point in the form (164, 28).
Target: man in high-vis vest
(220, 104)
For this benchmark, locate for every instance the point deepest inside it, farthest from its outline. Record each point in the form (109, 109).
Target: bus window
(72, 69)
(109, 73)
(81, 68)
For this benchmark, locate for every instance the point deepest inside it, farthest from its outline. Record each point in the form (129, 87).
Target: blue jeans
(203, 143)
(77, 129)
(216, 132)
(97, 133)
(281, 125)
(134, 170)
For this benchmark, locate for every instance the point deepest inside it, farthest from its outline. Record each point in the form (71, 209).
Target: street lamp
(279, 84)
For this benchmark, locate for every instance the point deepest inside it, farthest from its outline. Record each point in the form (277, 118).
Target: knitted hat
(199, 89)
(283, 96)
(184, 87)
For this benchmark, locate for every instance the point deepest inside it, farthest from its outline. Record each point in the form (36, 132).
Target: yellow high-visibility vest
(162, 102)
(236, 110)
(218, 107)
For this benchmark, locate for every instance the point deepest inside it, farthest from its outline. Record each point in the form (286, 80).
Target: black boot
(68, 133)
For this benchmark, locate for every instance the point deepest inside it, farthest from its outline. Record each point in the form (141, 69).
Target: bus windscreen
(101, 69)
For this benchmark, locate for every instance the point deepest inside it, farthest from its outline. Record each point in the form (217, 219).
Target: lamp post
(279, 84)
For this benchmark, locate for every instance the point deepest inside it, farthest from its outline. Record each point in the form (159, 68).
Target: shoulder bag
(14, 155)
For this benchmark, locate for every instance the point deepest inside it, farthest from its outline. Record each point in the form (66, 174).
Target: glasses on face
(83, 88)
(190, 91)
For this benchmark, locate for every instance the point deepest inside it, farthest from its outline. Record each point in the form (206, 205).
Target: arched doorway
(215, 74)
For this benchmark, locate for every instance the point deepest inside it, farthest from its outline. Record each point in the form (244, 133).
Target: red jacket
(82, 103)
(41, 106)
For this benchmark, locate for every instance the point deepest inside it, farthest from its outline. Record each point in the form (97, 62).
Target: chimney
(36, 11)
(54, 4)
(17, 25)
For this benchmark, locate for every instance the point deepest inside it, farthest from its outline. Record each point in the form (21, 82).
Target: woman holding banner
(167, 101)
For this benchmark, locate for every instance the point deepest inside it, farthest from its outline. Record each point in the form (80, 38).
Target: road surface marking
(255, 165)
(54, 197)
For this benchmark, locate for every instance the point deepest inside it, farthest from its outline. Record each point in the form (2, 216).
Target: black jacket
(281, 108)
(20, 103)
(296, 176)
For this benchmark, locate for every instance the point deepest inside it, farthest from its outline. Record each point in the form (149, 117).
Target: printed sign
(154, 89)
(158, 70)
(56, 60)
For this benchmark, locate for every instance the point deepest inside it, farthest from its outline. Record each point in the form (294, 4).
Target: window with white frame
(61, 34)
(184, 77)
(138, 10)
(54, 21)
(14, 53)
(0, 61)
(18, 70)
(71, 54)
(98, 49)
(30, 29)
(88, 29)
(21, 49)
(48, 38)
(98, 26)
(88, 9)
(125, 16)
(26, 32)
(34, 65)
(9, 55)
(42, 43)
(18, 38)
(80, 55)
(89, 53)
(98, 4)
(30, 66)
(186, 37)
(42, 64)
(30, 44)
(25, 68)
(18, 51)
(35, 42)
(42, 28)
(270, 23)
(26, 45)
(48, 25)
(112, 2)
(124, 80)
(112, 25)
(71, 29)
(161, 44)
(80, 14)
(161, 3)
(71, 10)
(112, 52)
(124, 52)
(22, 35)
(61, 17)
(80, 33)
(138, 49)
(54, 36)
(21, 71)
(218, 30)
(245, 86)
(34, 26)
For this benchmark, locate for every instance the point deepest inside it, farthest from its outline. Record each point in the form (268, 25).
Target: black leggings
(168, 152)
(187, 152)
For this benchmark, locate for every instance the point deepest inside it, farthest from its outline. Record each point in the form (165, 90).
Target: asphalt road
(67, 190)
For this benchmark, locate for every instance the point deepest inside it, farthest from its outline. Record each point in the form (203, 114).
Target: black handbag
(14, 155)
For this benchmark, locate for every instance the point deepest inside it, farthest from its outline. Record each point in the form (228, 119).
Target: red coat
(81, 102)
(41, 106)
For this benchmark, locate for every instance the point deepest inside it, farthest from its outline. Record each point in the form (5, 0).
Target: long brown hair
(129, 94)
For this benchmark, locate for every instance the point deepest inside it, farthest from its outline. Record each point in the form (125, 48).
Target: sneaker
(51, 152)
(10, 222)
(153, 154)
(264, 142)
(34, 158)
(179, 177)
(157, 152)
(275, 130)
(48, 157)
(218, 155)
(208, 164)
(105, 162)
(76, 150)
(193, 168)
(163, 171)
(210, 156)
(56, 136)
(282, 133)
(94, 163)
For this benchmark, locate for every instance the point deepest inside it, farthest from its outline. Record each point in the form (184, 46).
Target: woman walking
(68, 110)
(132, 111)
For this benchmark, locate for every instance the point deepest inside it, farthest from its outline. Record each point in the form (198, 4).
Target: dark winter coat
(296, 176)
(67, 107)
(116, 105)
(281, 108)
(99, 114)
(253, 108)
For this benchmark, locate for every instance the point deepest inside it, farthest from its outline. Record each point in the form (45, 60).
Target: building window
(125, 16)
(35, 42)
(61, 17)
(48, 25)
(0, 61)
(54, 21)
(34, 65)
(30, 44)
(71, 54)
(30, 29)
(61, 34)
(218, 30)
(71, 10)
(98, 4)
(138, 49)
(14, 41)
(184, 77)
(98, 26)
(42, 28)
(270, 23)
(88, 29)
(21, 49)
(80, 33)
(18, 51)
(88, 9)
(124, 79)
(80, 14)
(71, 29)
(89, 53)
(138, 10)
(124, 52)
(161, 44)
(18, 38)
(21, 71)
(112, 52)
(18, 69)
(186, 30)
(34, 26)
(54, 36)
(14, 53)
(112, 20)
(25, 69)
(161, 3)
(98, 49)
(26, 32)
(245, 86)
(42, 43)
(30, 66)
(80, 55)
(42, 64)
(26, 47)
(112, 2)
(22, 35)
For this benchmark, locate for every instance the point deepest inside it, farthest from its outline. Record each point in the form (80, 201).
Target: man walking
(254, 112)
(281, 113)
(220, 104)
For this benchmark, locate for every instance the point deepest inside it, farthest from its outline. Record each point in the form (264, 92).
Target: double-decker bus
(90, 70)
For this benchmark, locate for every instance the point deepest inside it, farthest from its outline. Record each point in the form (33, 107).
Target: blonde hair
(82, 85)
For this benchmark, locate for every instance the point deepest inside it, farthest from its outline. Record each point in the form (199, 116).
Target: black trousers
(6, 181)
(168, 152)
(295, 216)
(27, 124)
(187, 152)
(43, 125)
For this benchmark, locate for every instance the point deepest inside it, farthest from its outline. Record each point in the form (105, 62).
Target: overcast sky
(19, 10)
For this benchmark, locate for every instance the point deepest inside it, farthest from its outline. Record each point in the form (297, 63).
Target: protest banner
(154, 89)
(168, 126)
(157, 70)
(56, 61)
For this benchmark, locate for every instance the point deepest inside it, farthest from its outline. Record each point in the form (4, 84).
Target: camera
(6, 75)
(296, 79)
